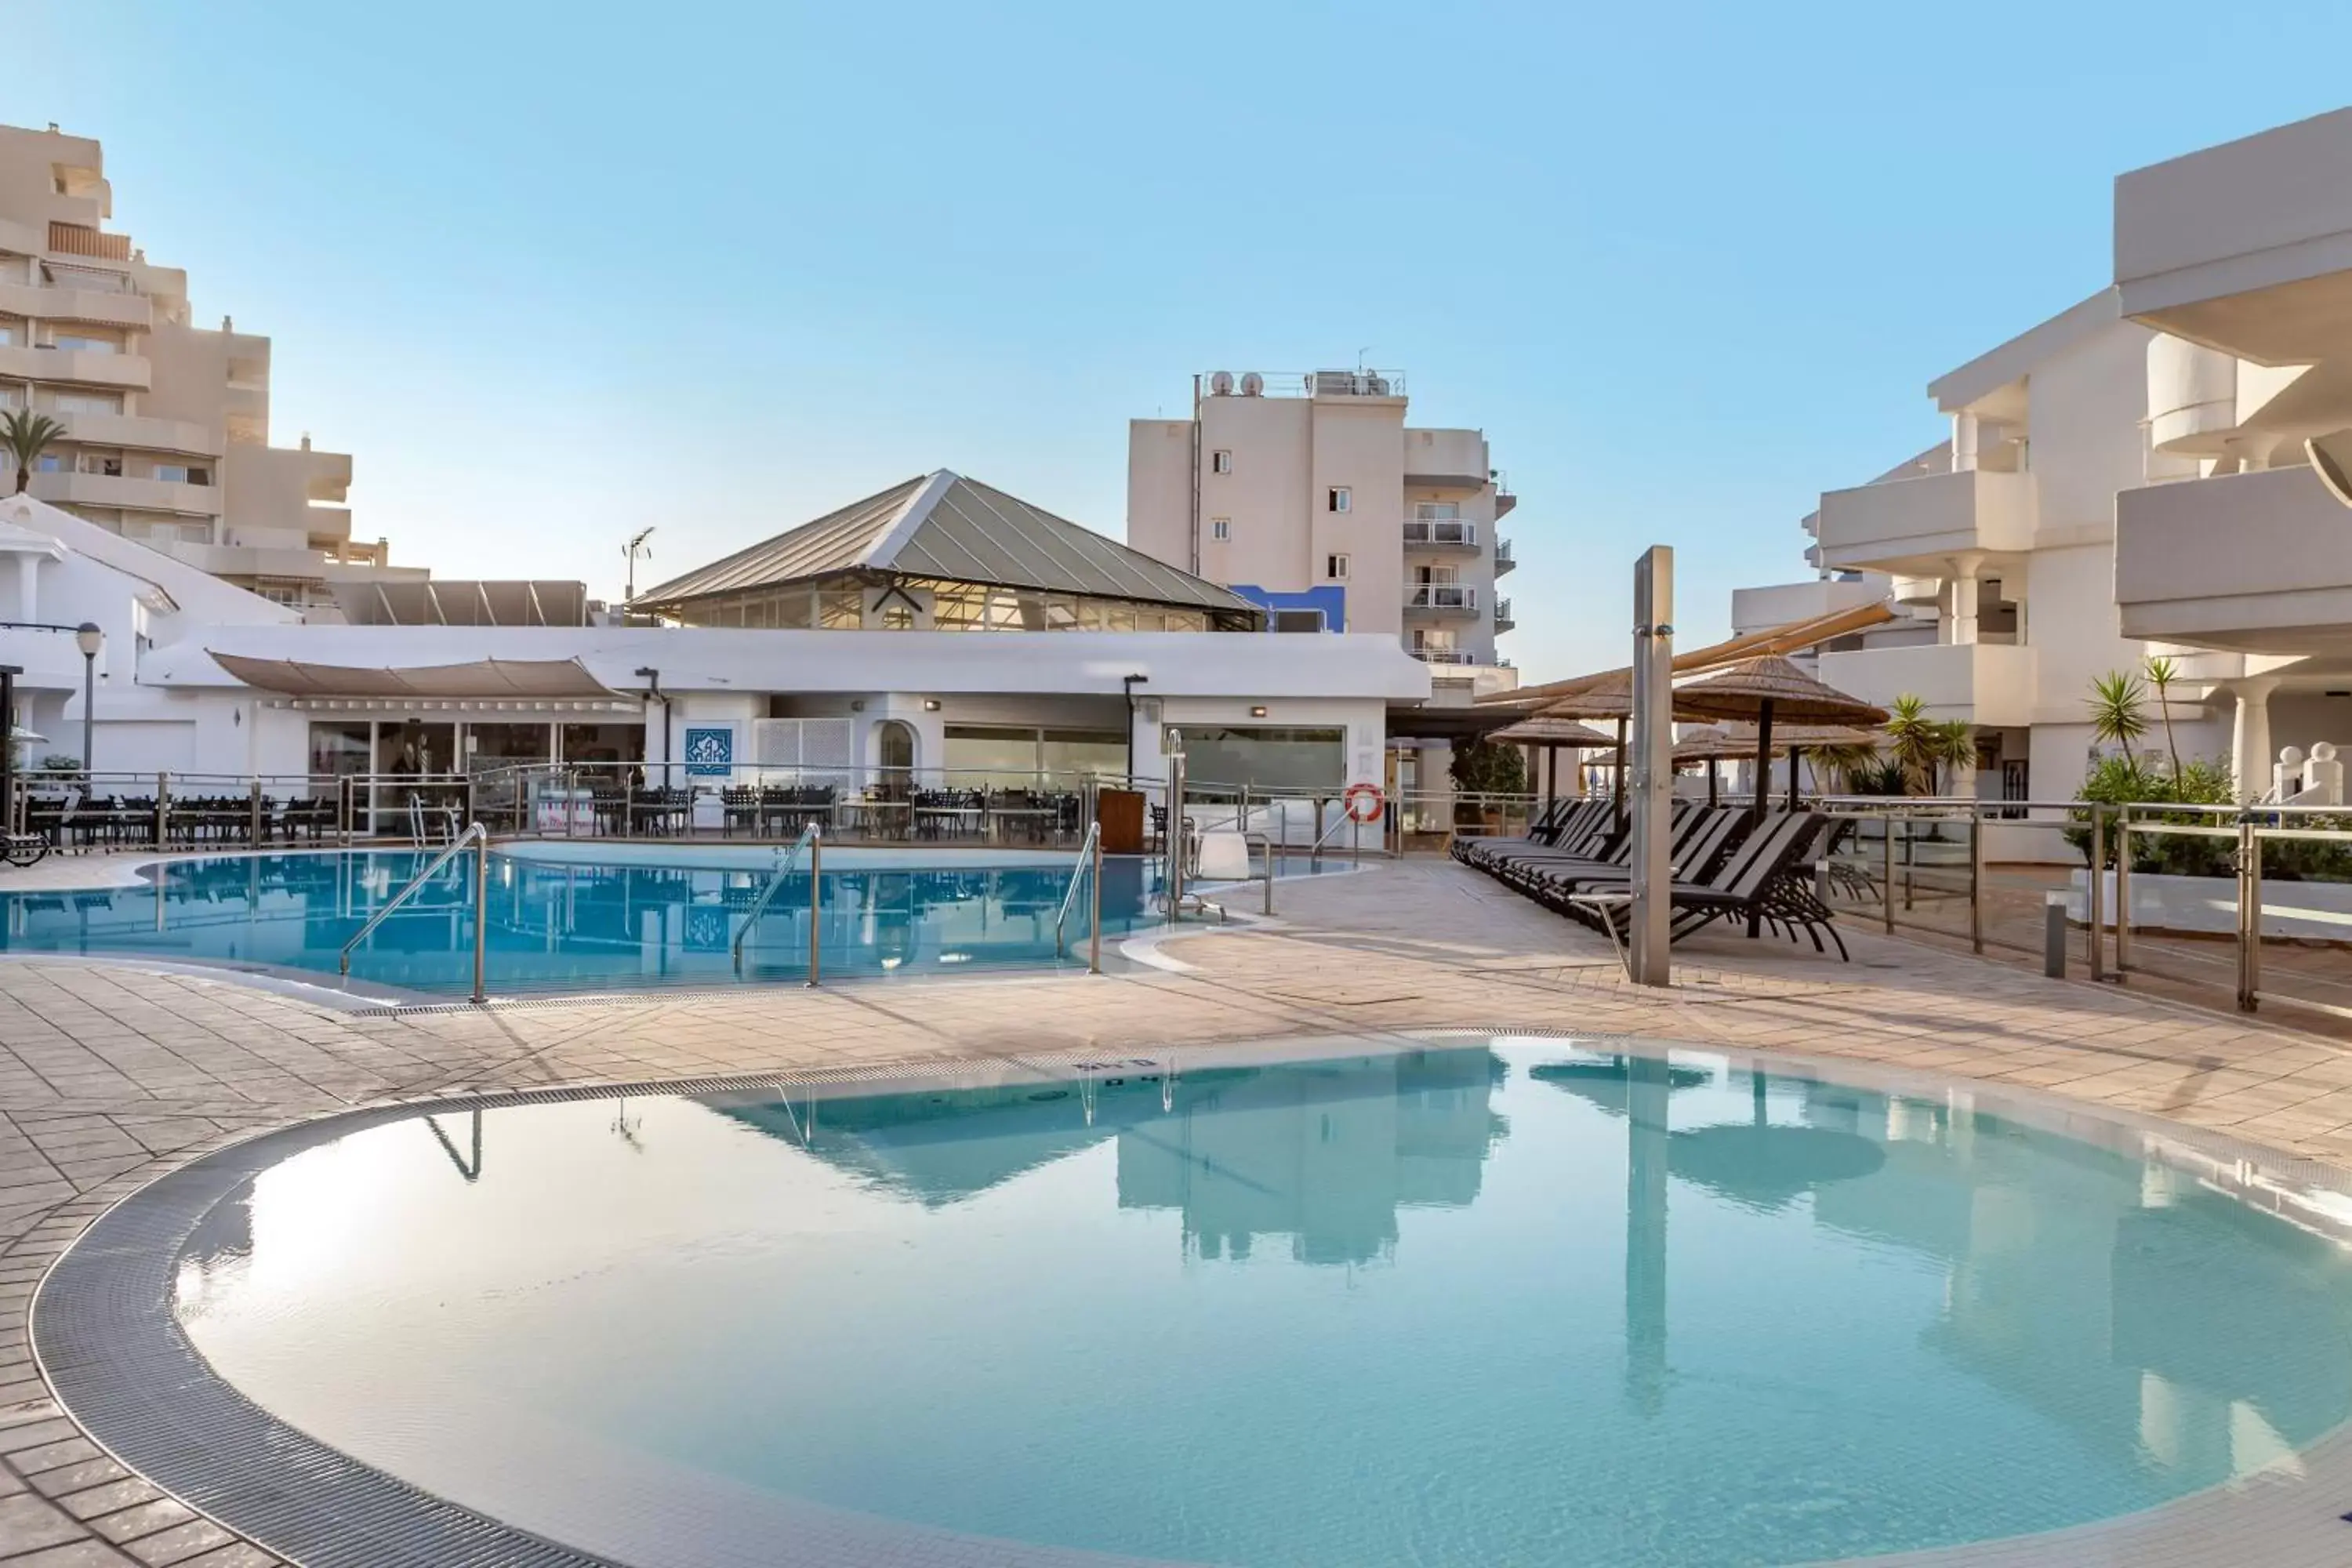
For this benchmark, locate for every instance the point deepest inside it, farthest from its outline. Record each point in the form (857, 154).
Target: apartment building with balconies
(1310, 495)
(2238, 260)
(166, 423)
(1995, 549)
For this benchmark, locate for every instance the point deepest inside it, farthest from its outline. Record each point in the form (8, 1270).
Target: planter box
(2312, 911)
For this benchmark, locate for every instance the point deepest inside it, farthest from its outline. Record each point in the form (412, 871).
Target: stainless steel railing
(1089, 869)
(811, 839)
(479, 838)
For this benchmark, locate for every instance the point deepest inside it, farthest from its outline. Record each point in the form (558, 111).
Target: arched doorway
(895, 746)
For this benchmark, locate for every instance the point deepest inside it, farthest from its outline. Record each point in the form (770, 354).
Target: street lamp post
(89, 637)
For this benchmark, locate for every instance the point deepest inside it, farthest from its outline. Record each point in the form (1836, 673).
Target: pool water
(1511, 1301)
(573, 926)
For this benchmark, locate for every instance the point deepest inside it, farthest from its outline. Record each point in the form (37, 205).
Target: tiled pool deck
(109, 1076)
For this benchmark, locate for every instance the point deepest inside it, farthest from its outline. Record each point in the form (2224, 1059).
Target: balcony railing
(1503, 614)
(1503, 559)
(79, 240)
(1444, 655)
(1441, 530)
(1441, 597)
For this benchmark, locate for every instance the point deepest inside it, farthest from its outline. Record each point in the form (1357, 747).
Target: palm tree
(1840, 764)
(2161, 673)
(2119, 709)
(1914, 743)
(24, 436)
(1956, 748)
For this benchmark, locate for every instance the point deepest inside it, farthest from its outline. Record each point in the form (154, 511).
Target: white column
(28, 587)
(1964, 442)
(2250, 735)
(1960, 590)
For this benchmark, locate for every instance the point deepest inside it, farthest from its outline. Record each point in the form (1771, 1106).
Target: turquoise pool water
(574, 925)
(1512, 1301)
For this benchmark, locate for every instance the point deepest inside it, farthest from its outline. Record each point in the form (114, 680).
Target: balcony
(1445, 460)
(112, 308)
(1503, 621)
(144, 434)
(1918, 525)
(1441, 534)
(1444, 655)
(1983, 683)
(1441, 601)
(1503, 559)
(76, 366)
(1778, 603)
(121, 491)
(1504, 502)
(2257, 562)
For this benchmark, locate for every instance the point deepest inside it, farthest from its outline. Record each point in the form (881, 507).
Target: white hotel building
(2128, 478)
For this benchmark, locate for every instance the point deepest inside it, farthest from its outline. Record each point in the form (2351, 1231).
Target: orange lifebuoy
(1359, 797)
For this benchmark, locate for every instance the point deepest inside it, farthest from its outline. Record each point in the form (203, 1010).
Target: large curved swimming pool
(1480, 1301)
(595, 919)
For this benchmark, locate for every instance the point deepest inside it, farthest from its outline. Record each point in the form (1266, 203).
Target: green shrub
(2119, 780)
(1484, 767)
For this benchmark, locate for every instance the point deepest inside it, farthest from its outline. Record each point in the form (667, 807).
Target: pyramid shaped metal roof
(945, 526)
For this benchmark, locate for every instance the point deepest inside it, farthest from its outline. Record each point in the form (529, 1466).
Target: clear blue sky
(554, 271)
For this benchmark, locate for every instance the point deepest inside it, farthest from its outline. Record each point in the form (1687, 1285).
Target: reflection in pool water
(1517, 1303)
(566, 926)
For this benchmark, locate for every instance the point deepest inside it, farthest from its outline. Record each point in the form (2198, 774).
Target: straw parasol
(1765, 687)
(1713, 743)
(1551, 734)
(1611, 697)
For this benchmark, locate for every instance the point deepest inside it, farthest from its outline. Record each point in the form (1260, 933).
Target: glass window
(958, 607)
(1188, 620)
(99, 463)
(1221, 528)
(1337, 499)
(11, 332)
(1223, 756)
(840, 609)
(1220, 462)
(50, 463)
(179, 473)
(994, 759)
(86, 402)
(499, 745)
(1437, 510)
(1334, 567)
(1061, 614)
(587, 744)
(897, 617)
(338, 747)
(1069, 755)
(84, 343)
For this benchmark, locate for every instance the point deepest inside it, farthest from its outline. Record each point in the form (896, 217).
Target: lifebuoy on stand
(1363, 802)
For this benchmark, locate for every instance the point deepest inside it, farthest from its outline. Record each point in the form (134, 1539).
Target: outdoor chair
(1699, 841)
(1762, 881)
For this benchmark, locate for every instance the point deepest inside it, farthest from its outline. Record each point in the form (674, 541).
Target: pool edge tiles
(165, 1412)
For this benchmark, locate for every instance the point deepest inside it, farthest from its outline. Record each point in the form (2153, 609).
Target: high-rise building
(1310, 495)
(166, 423)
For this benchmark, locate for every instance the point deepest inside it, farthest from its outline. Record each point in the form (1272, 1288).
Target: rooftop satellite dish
(1253, 384)
(2331, 460)
(1221, 384)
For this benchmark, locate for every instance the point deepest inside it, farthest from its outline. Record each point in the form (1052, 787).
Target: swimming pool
(571, 918)
(1495, 1301)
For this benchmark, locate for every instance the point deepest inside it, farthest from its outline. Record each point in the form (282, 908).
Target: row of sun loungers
(1576, 860)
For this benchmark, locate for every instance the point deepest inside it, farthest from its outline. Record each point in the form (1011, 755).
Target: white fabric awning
(485, 678)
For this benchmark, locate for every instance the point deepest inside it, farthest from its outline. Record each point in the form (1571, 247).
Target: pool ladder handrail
(474, 833)
(811, 839)
(1088, 869)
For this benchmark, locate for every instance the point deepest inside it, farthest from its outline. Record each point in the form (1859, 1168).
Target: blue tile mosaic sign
(709, 753)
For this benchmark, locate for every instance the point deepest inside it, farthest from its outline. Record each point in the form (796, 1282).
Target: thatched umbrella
(1802, 738)
(1711, 745)
(1551, 734)
(1759, 689)
(1611, 697)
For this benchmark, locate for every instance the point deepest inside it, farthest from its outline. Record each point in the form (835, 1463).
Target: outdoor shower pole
(816, 897)
(1648, 953)
(1094, 924)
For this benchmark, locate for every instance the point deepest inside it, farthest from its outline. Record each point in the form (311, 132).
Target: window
(12, 331)
(50, 463)
(1334, 567)
(87, 402)
(1337, 499)
(1221, 528)
(182, 474)
(1298, 620)
(85, 344)
(99, 463)
(898, 618)
(1231, 755)
(1437, 511)
(1220, 462)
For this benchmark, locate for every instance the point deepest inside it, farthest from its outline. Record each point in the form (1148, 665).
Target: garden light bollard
(2054, 934)
(2249, 915)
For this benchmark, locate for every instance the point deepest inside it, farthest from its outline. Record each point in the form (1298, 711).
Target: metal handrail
(1078, 874)
(767, 894)
(474, 834)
